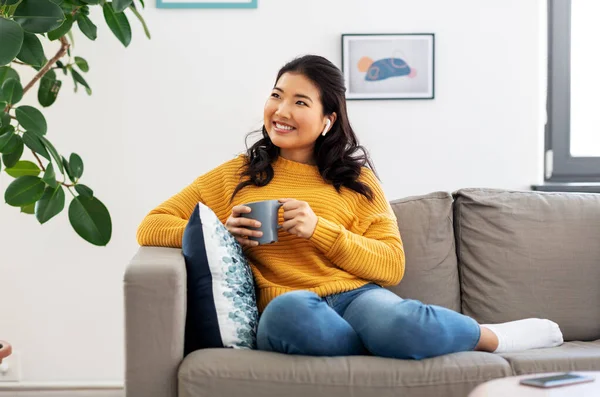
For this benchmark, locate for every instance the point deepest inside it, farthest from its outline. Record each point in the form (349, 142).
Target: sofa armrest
(155, 307)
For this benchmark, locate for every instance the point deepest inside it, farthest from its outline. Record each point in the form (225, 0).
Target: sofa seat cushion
(234, 372)
(570, 356)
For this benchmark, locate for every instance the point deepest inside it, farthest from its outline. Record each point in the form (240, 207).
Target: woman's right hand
(237, 226)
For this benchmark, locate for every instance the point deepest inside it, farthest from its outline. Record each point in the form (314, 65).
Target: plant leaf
(84, 191)
(76, 166)
(67, 168)
(91, 220)
(50, 176)
(87, 27)
(28, 209)
(32, 52)
(6, 72)
(62, 29)
(23, 168)
(38, 16)
(48, 90)
(34, 143)
(24, 190)
(82, 64)
(4, 117)
(31, 119)
(8, 139)
(12, 91)
(10, 159)
(51, 74)
(51, 204)
(141, 19)
(12, 39)
(4, 136)
(118, 23)
(53, 153)
(79, 79)
(121, 5)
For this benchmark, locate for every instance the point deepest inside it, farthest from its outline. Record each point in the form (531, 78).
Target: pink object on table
(5, 350)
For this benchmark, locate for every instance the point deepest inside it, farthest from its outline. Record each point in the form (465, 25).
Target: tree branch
(61, 52)
(39, 161)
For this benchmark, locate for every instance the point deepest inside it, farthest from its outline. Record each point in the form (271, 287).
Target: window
(573, 127)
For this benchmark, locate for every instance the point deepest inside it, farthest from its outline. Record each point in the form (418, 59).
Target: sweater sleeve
(377, 254)
(164, 225)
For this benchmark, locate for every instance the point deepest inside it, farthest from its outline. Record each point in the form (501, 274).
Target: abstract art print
(389, 66)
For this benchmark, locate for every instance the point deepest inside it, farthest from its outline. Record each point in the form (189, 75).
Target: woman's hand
(237, 226)
(299, 218)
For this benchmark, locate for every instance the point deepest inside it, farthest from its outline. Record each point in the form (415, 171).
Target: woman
(320, 286)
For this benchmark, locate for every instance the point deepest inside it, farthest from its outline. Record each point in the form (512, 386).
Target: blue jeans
(368, 320)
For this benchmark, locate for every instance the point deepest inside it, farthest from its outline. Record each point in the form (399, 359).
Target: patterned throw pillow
(221, 300)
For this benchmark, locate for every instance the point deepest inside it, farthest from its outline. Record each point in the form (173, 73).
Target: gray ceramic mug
(267, 213)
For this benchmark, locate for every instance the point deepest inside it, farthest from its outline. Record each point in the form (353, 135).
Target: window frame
(560, 166)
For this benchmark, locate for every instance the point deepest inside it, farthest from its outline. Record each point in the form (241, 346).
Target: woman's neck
(303, 157)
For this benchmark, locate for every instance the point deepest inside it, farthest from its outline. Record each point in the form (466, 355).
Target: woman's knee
(289, 305)
(284, 313)
(391, 326)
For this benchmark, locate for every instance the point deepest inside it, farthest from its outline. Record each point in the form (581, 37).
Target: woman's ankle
(488, 341)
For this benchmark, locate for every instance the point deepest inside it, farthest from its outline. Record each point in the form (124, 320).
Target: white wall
(167, 110)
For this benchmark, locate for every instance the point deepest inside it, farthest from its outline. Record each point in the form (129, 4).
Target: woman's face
(294, 117)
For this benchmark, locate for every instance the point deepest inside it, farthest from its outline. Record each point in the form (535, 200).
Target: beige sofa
(494, 255)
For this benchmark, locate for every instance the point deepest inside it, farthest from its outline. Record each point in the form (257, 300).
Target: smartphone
(556, 380)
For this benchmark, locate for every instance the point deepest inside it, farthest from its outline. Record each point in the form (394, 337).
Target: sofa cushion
(530, 254)
(227, 372)
(221, 301)
(570, 356)
(431, 275)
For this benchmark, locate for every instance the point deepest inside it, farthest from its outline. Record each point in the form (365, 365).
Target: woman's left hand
(299, 218)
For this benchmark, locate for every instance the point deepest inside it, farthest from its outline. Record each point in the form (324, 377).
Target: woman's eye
(302, 103)
(275, 95)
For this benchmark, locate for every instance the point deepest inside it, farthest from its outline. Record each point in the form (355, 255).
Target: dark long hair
(339, 156)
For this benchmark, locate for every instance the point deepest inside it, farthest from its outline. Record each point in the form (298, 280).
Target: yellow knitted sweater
(356, 241)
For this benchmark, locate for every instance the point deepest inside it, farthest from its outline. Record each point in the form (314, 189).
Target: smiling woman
(337, 236)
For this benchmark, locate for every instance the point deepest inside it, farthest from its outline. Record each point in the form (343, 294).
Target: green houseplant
(39, 185)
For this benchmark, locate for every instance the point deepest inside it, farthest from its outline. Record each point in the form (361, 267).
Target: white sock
(530, 333)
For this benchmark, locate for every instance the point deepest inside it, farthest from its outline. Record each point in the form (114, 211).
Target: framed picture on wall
(206, 4)
(389, 66)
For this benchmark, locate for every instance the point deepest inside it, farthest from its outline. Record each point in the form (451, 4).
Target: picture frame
(389, 65)
(206, 4)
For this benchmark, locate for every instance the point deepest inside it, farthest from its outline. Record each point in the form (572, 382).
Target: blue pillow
(221, 300)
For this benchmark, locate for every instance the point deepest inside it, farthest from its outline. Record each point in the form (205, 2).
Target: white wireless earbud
(326, 127)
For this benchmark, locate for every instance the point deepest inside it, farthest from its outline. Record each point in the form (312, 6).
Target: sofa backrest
(425, 224)
(530, 254)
